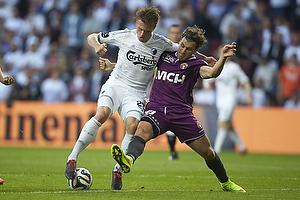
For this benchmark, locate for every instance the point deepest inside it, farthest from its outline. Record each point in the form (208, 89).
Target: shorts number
(141, 105)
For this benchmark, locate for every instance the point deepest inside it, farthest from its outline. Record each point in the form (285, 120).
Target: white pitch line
(140, 190)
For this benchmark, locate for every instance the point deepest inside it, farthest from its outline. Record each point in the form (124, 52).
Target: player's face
(174, 34)
(186, 49)
(143, 31)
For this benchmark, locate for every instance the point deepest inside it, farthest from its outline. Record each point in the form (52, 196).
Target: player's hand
(211, 61)
(105, 64)
(101, 49)
(229, 50)
(8, 80)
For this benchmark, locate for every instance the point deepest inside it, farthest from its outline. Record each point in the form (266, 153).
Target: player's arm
(6, 80)
(248, 88)
(93, 41)
(213, 72)
(105, 64)
(209, 59)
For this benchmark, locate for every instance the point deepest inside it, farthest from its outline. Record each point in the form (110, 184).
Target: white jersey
(227, 83)
(136, 60)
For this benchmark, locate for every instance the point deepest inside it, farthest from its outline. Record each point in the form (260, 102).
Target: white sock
(125, 142)
(87, 135)
(236, 140)
(220, 138)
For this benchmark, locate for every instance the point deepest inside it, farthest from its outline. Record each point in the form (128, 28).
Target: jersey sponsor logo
(148, 64)
(168, 58)
(184, 65)
(105, 34)
(170, 77)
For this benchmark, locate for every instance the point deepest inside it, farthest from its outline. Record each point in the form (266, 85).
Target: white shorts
(119, 96)
(225, 113)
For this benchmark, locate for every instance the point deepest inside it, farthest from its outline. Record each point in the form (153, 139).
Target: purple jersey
(175, 79)
(170, 105)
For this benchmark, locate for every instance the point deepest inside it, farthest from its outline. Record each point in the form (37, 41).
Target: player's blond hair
(195, 34)
(148, 14)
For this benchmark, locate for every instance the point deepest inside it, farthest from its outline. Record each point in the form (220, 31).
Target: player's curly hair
(195, 34)
(148, 14)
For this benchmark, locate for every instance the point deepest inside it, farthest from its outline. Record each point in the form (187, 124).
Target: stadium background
(43, 45)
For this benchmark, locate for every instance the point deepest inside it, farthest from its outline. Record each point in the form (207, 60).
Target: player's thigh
(225, 113)
(131, 110)
(132, 105)
(186, 127)
(157, 119)
(110, 96)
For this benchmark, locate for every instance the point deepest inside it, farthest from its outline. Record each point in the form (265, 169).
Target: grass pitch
(39, 174)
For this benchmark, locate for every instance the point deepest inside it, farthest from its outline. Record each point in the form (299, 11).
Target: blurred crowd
(43, 44)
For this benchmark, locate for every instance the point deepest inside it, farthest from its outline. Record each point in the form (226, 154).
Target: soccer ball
(83, 180)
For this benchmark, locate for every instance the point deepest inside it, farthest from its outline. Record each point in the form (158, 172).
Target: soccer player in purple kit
(170, 105)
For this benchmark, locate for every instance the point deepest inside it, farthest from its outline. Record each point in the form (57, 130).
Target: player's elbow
(92, 37)
(212, 74)
(215, 74)
(209, 72)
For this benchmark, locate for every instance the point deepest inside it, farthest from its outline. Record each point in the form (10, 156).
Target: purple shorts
(179, 120)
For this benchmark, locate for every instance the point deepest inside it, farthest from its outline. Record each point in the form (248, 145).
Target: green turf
(39, 174)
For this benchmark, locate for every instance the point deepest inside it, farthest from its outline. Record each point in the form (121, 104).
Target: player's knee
(223, 125)
(145, 131)
(209, 154)
(131, 125)
(102, 114)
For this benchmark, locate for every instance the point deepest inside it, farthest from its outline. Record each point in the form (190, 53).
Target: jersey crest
(184, 65)
(154, 51)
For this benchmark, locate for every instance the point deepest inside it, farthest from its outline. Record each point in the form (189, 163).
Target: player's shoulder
(197, 63)
(160, 38)
(117, 33)
(168, 56)
(172, 53)
(193, 60)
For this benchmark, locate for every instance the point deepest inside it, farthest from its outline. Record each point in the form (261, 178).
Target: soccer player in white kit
(125, 90)
(226, 88)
